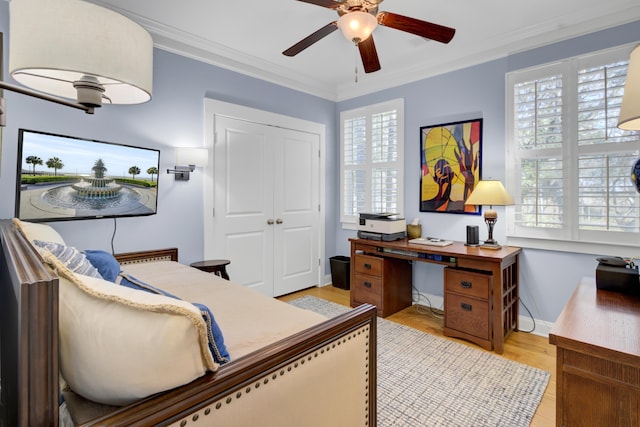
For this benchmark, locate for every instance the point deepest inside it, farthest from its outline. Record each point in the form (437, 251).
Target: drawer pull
(367, 284)
(466, 307)
(465, 284)
(367, 266)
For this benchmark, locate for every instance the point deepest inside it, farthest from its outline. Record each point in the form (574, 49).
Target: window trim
(350, 222)
(569, 238)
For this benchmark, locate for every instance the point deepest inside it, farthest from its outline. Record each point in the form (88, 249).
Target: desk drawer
(467, 283)
(367, 264)
(467, 315)
(367, 289)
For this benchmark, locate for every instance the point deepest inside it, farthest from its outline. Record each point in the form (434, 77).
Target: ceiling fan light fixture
(357, 26)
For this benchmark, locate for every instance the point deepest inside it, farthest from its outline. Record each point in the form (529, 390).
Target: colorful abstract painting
(450, 166)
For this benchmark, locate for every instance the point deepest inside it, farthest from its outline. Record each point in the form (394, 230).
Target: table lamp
(492, 193)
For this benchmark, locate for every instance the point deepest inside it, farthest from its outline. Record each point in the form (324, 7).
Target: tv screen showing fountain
(68, 178)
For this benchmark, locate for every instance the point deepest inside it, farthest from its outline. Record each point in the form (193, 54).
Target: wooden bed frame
(29, 351)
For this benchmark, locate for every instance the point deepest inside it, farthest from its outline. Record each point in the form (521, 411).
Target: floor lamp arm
(39, 95)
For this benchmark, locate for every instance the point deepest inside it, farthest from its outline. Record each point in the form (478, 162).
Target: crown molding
(476, 52)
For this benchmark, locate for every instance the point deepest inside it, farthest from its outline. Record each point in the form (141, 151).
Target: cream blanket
(249, 320)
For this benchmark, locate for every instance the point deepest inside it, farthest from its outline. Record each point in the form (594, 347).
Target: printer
(381, 226)
(617, 275)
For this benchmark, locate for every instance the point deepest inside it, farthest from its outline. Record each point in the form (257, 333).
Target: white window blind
(371, 147)
(569, 166)
(539, 136)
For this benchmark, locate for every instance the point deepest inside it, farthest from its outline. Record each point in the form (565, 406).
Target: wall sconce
(75, 50)
(630, 109)
(492, 193)
(186, 161)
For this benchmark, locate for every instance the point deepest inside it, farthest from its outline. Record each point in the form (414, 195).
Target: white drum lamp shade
(630, 108)
(68, 48)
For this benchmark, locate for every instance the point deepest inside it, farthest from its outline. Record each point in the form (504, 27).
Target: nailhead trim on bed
(272, 376)
(145, 260)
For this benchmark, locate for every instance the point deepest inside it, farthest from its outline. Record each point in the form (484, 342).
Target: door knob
(270, 221)
(279, 221)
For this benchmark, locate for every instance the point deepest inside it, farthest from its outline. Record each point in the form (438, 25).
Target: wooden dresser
(598, 359)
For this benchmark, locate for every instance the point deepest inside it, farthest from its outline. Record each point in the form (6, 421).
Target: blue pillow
(72, 258)
(105, 263)
(214, 333)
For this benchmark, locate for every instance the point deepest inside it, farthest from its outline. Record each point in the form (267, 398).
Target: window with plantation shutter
(568, 164)
(371, 172)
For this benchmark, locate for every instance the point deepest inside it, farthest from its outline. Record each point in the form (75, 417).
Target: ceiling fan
(358, 19)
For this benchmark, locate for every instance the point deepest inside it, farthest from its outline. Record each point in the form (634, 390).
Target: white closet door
(296, 210)
(266, 199)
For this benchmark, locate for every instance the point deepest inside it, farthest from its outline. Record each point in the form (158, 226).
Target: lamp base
(490, 245)
(490, 217)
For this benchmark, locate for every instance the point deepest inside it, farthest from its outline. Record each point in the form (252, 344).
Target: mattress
(248, 319)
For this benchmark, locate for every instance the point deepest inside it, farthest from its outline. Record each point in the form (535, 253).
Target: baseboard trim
(327, 280)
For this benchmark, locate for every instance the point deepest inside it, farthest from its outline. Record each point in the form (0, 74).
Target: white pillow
(72, 258)
(36, 231)
(118, 345)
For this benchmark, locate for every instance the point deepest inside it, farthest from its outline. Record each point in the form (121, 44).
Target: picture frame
(450, 166)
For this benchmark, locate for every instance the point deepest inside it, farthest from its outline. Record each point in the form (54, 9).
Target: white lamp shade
(489, 192)
(630, 108)
(192, 156)
(54, 43)
(357, 26)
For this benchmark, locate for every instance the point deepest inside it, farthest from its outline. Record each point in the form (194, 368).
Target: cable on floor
(420, 296)
(530, 315)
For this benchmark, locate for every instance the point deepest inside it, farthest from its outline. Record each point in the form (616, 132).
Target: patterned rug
(425, 380)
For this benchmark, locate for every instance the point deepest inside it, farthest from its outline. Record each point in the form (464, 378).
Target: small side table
(215, 266)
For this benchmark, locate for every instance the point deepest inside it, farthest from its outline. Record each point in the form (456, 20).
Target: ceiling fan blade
(369, 55)
(425, 29)
(311, 39)
(324, 3)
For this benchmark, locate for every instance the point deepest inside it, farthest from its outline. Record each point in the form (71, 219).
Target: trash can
(340, 271)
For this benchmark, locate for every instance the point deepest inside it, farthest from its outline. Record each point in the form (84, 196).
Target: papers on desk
(431, 241)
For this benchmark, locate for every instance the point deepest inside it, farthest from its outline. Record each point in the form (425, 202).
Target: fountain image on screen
(68, 178)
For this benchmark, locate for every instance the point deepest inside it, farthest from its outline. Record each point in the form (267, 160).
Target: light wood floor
(522, 347)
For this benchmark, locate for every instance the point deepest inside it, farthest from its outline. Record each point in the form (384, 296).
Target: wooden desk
(493, 271)
(598, 358)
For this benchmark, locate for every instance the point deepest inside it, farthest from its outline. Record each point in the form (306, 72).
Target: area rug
(426, 380)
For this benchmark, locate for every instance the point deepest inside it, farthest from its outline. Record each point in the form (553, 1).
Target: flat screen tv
(67, 178)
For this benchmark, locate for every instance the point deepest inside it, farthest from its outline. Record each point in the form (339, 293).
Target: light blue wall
(548, 278)
(175, 118)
